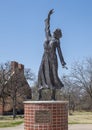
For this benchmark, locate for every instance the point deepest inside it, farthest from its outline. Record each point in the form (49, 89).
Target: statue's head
(57, 33)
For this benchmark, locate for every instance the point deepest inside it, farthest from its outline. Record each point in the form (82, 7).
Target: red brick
(58, 111)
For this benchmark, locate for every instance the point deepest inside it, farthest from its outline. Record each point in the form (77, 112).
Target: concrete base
(46, 115)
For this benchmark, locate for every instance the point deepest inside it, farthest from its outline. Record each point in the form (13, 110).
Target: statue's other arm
(47, 25)
(61, 55)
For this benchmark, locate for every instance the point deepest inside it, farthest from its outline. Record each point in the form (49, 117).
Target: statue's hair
(58, 32)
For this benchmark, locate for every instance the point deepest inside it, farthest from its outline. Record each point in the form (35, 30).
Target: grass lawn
(76, 118)
(7, 121)
(80, 118)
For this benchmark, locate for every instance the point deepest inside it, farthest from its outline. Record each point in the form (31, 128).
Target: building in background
(17, 89)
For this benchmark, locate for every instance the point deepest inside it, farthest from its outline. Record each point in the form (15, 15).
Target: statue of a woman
(48, 71)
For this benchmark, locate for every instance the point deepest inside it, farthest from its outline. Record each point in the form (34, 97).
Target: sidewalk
(19, 127)
(71, 127)
(80, 127)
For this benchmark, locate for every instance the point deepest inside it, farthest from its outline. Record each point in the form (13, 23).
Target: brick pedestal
(46, 115)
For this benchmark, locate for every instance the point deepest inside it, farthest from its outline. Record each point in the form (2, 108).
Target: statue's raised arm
(47, 24)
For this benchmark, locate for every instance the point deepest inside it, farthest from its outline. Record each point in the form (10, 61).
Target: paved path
(71, 127)
(80, 127)
(19, 127)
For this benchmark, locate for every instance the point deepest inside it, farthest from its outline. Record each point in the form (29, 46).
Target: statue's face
(57, 33)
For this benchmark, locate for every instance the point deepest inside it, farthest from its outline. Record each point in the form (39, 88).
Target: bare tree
(4, 73)
(82, 76)
(70, 92)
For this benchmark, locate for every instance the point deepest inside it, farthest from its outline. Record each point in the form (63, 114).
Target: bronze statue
(48, 71)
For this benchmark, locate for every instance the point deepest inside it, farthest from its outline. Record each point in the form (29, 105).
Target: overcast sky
(22, 30)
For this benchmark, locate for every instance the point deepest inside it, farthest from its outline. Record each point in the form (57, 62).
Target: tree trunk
(3, 104)
(14, 108)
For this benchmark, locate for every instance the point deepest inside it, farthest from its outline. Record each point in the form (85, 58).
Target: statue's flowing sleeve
(60, 55)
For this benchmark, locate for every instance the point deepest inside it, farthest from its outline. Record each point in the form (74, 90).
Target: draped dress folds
(48, 71)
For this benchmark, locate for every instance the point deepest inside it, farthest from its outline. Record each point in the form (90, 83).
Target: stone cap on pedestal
(44, 102)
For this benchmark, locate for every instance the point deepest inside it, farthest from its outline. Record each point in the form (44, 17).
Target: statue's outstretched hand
(51, 12)
(64, 65)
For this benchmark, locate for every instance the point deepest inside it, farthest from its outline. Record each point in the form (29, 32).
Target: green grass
(80, 118)
(7, 121)
(10, 124)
